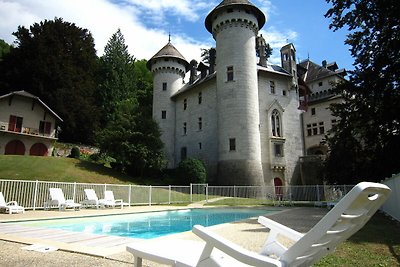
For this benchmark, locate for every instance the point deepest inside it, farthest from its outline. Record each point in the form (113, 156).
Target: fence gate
(198, 192)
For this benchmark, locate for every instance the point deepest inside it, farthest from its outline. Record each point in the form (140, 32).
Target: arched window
(276, 123)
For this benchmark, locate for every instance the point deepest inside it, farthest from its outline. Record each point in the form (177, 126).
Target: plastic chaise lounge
(110, 201)
(342, 221)
(11, 206)
(91, 199)
(58, 200)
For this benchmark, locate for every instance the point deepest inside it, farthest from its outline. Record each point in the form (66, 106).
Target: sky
(147, 24)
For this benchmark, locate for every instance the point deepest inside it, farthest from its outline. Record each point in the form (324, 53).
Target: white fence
(33, 194)
(392, 205)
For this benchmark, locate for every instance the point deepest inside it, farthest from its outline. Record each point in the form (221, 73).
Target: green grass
(376, 244)
(58, 169)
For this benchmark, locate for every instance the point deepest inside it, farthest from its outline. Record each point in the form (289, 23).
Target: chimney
(324, 63)
(193, 71)
(213, 53)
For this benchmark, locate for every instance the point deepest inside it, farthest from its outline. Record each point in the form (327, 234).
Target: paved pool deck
(92, 250)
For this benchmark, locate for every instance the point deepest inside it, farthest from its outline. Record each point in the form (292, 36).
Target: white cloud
(103, 17)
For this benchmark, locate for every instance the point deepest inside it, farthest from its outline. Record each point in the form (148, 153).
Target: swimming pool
(151, 224)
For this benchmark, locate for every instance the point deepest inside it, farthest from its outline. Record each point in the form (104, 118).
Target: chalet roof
(168, 51)
(29, 95)
(313, 71)
(234, 3)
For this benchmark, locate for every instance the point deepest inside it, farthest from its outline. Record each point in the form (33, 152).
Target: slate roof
(316, 72)
(232, 3)
(168, 51)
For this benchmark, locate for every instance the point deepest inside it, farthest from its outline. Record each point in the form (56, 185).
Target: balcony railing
(24, 130)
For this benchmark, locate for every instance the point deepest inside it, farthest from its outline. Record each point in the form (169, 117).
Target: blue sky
(147, 23)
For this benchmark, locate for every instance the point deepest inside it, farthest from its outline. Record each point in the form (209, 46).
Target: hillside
(58, 169)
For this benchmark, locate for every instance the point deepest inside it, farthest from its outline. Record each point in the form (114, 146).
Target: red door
(38, 149)
(15, 147)
(278, 188)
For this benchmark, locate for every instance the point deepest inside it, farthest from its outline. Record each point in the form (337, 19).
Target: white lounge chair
(58, 200)
(11, 206)
(342, 221)
(110, 201)
(92, 199)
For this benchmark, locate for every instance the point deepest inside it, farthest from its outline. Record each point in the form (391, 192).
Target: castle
(239, 114)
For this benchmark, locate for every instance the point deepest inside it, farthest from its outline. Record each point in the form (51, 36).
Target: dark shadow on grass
(381, 229)
(100, 169)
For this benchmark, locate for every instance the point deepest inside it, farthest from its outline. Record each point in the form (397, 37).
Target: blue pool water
(152, 224)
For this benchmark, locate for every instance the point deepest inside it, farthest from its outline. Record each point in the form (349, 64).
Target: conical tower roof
(168, 51)
(245, 4)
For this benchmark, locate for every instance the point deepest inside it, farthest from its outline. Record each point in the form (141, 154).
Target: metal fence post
(150, 195)
(35, 195)
(129, 194)
(191, 193)
(206, 193)
(73, 198)
(169, 194)
(318, 196)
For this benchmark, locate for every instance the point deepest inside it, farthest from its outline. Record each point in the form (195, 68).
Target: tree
(368, 133)
(129, 133)
(56, 61)
(4, 49)
(191, 171)
(117, 76)
(133, 140)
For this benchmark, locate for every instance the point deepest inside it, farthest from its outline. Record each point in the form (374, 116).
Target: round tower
(234, 25)
(168, 67)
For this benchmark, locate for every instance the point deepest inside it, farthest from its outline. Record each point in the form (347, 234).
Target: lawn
(58, 169)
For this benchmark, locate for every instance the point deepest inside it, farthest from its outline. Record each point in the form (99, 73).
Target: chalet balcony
(26, 131)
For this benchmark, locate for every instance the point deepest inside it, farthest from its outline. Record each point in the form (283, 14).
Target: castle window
(232, 144)
(163, 114)
(184, 128)
(320, 83)
(276, 123)
(200, 98)
(312, 111)
(272, 87)
(278, 150)
(200, 146)
(183, 153)
(164, 86)
(185, 104)
(321, 128)
(285, 57)
(284, 92)
(314, 129)
(200, 123)
(229, 73)
(309, 131)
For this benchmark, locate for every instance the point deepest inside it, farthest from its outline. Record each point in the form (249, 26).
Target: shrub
(191, 171)
(75, 152)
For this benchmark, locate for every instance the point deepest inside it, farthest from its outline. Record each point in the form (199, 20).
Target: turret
(169, 68)
(288, 60)
(234, 25)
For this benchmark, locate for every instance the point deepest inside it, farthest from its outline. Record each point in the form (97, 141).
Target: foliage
(56, 61)
(129, 134)
(191, 171)
(366, 141)
(75, 153)
(117, 76)
(4, 48)
(132, 139)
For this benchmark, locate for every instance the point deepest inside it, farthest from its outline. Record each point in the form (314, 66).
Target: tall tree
(118, 81)
(368, 133)
(56, 61)
(129, 133)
